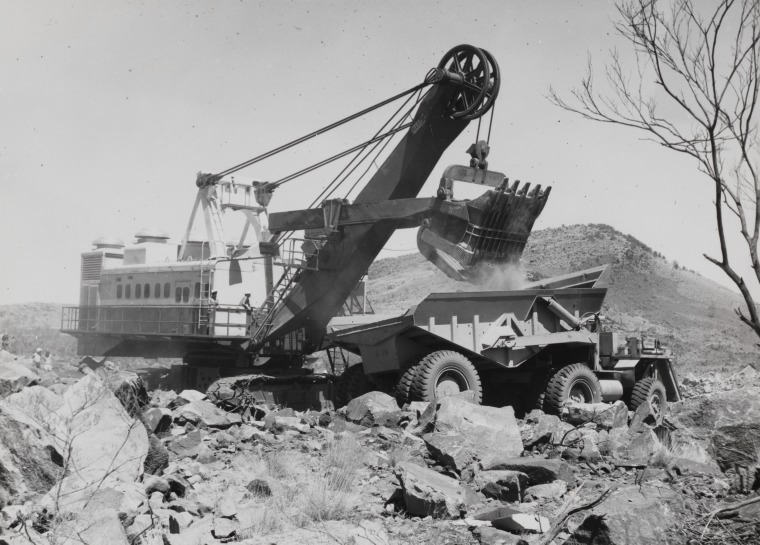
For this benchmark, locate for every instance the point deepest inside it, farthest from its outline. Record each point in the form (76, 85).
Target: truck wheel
(574, 382)
(352, 383)
(445, 373)
(652, 390)
(404, 386)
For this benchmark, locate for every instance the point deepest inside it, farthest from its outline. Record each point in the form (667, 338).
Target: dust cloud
(500, 277)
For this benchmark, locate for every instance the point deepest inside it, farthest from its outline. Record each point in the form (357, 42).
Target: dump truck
(538, 347)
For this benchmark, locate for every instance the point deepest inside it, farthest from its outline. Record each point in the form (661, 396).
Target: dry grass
(268, 519)
(322, 501)
(305, 490)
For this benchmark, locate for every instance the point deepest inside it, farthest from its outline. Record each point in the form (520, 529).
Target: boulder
(26, 467)
(450, 449)
(632, 515)
(157, 419)
(727, 424)
(14, 376)
(186, 446)
(489, 431)
(538, 470)
(636, 445)
(488, 535)
(162, 398)
(522, 523)
(542, 428)
(604, 415)
(103, 526)
(204, 413)
(689, 455)
(188, 396)
(645, 415)
(103, 445)
(373, 408)
(551, 490)
(427, 493)
(503, 485)
(284, 423)
(128, 387)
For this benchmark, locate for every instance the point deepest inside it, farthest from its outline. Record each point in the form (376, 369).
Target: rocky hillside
(98, 457)
(648, 295)
(35, 325)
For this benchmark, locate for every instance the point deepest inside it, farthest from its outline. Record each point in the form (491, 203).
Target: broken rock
(728, 423)
(206, 414)
(604, 415)
(503, 485)
(489, 431)
(14, 377)
(632, 515)
(157, 420)
(427, 493)
(538, 470)
(373, 408)
(523, 523)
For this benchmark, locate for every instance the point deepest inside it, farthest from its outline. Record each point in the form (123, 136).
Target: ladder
(265, 313)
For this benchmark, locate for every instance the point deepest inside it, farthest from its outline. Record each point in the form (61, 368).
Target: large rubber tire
(445, 373)
(352, 383)
(576, 382)
(652, 390)
(404, 386)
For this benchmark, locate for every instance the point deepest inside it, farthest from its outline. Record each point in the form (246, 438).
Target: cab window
(138, 291)
(146, 290)
(178, 295)
(128, 291)
(119, 290)
(157, 291)
(167, 290)
(197, 290)
(185, 294)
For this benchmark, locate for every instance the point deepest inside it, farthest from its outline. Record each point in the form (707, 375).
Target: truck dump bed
(495, 328)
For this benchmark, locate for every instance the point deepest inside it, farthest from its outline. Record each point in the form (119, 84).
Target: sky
(109, 109)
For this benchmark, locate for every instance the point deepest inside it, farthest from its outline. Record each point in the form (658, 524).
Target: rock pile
(105, 460)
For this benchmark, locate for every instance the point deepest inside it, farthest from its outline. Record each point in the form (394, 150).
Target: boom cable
(311, 135)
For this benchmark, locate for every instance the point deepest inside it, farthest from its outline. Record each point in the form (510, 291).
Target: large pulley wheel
(471, 68)
(492, 87)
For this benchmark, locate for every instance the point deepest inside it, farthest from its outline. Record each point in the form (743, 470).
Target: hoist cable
(285, 235)
(342, 172)
(318, 132)
(329, 160)
(490, 122)
(385, 144)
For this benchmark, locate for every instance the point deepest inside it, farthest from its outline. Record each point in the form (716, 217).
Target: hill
(648, 294)
(36, 325)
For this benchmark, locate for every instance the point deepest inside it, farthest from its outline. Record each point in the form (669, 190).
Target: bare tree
(704, 67)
